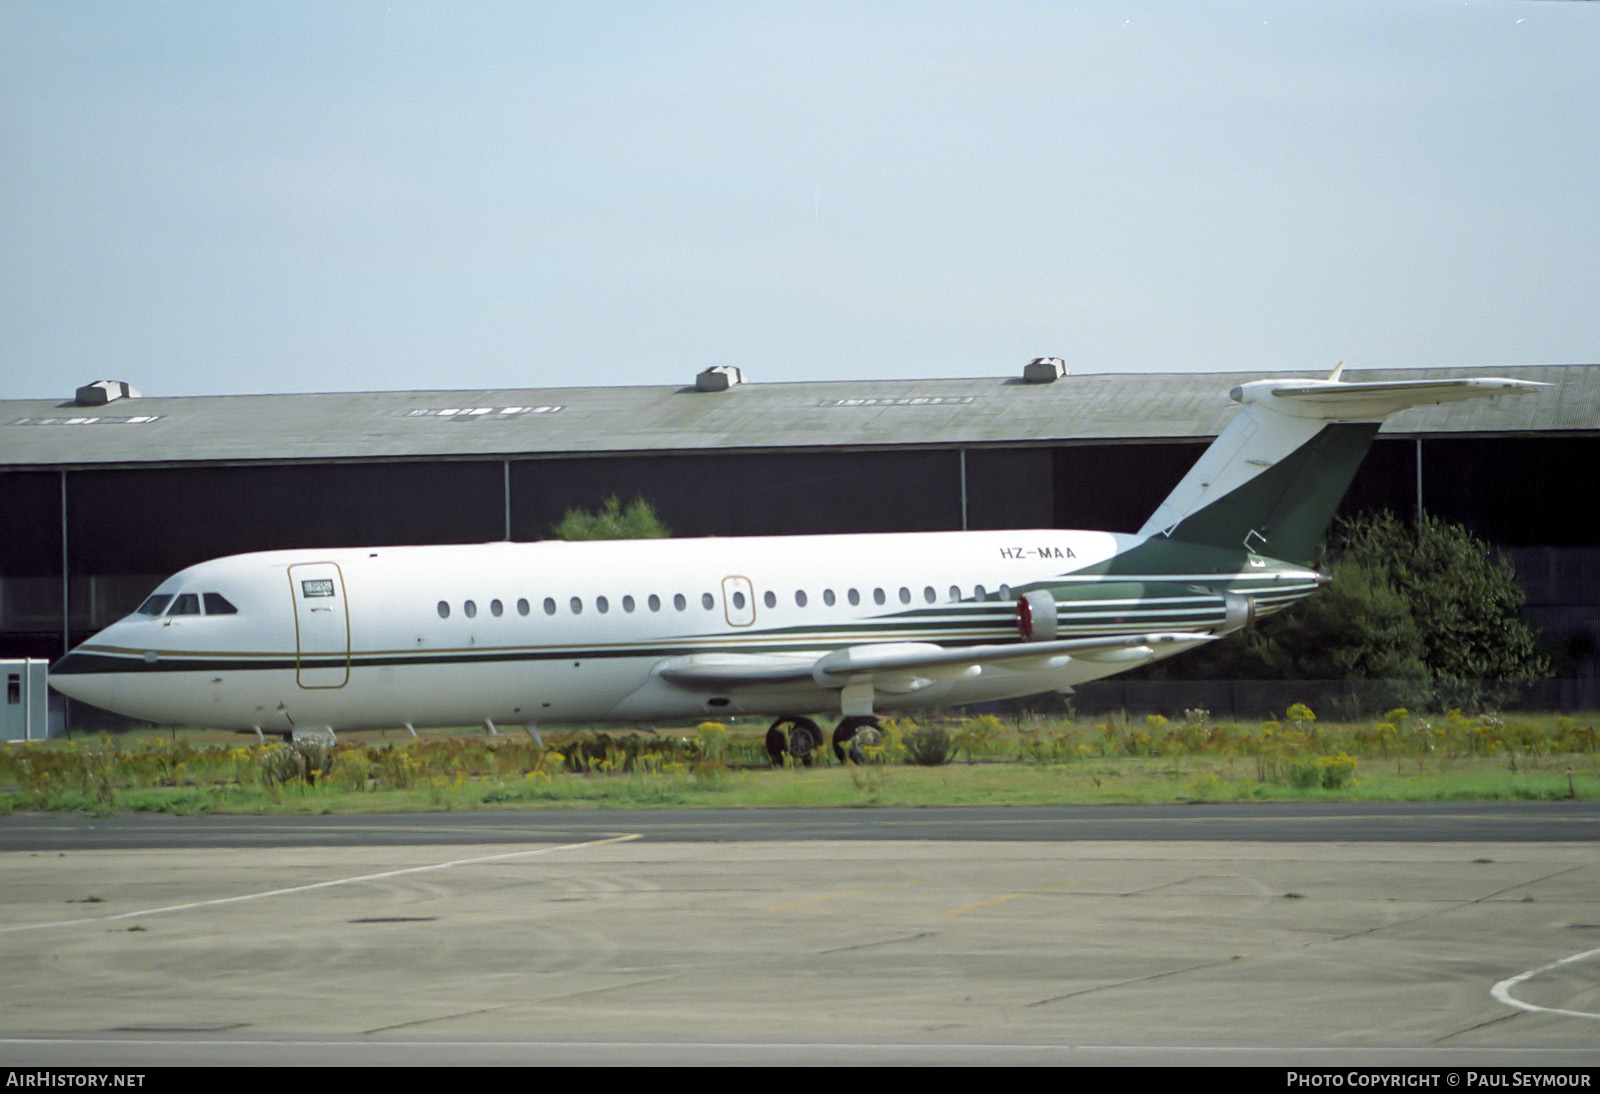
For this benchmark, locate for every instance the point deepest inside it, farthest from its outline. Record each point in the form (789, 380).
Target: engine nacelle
(1238, 612)
(1036, 616)
(1047, 614)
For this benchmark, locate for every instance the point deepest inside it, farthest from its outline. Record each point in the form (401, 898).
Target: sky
(212, 198)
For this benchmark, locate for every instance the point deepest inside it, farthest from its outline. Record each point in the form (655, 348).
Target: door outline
(318, 636)
(737, 616)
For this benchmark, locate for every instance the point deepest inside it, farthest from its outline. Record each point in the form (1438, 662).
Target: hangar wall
(748, 494)
(126, 529)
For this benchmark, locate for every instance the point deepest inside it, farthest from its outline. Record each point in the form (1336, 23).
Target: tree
(612, 520)
(1359, 627)
(1464, 597)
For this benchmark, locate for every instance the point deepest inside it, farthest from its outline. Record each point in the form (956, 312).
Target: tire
(845, 745)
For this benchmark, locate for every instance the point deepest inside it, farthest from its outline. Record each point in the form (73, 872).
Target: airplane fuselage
(545, 632)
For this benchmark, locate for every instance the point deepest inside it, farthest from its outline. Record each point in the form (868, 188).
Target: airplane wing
(859, 664)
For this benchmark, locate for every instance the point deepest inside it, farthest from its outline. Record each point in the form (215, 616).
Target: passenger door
(321, 625)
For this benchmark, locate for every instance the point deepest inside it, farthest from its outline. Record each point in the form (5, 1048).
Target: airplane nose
(75, 675)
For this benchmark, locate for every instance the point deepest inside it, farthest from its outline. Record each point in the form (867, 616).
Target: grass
(1400, 757)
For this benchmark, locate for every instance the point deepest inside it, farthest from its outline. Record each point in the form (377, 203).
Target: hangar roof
(989, 412)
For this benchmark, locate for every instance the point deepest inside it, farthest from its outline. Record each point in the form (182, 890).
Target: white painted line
(1502, 990)
(322, 884)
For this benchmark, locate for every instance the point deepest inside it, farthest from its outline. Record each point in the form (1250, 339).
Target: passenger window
(679, 602)
(929, 595)
(955, 595)
(878, 597)
(707, 601)
(153, 605)
(854, 597)
(549, 606)
(217, 604)
(738, 599)
(602, 605)
(1005, 592)
(186, 604)
(627, 603)
(770, 599)
(978, 593)
(905, 595)
(495, 608)
(471, 609)
(800, 598)
(577, 606)
(827, 597)
(522, 607)
(444, 609)
(654, 602)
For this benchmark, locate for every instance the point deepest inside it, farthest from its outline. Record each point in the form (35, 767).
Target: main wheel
(802, 739)
(845, 734)
(777, 742)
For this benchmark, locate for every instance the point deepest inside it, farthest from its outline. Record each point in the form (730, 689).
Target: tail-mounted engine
(1238, 612)
(1107, 607)
(1036, 616)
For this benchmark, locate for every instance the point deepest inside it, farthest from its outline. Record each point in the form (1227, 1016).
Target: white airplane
(320, 640)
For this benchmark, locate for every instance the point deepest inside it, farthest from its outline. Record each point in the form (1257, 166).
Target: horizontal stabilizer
(1337, 401)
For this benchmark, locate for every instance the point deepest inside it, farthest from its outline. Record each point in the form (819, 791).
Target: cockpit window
(154, 605)
(217, 604)
(186, 604)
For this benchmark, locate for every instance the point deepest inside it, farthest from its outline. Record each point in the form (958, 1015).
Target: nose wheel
(797, 737)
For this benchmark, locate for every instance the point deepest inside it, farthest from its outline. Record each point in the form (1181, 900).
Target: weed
(1325, 772)
(1207, 786)
(1461, 757)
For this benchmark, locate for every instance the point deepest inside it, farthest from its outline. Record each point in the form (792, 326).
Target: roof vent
(718, 378)
(1044, 370)
(102, 392)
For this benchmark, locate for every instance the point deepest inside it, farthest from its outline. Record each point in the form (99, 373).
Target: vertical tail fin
(1272, 480)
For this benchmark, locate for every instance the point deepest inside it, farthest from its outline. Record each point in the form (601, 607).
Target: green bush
(928, 746)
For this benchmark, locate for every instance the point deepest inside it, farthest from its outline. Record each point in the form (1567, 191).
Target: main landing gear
(848, 734)
(801, 737)
(797, 737)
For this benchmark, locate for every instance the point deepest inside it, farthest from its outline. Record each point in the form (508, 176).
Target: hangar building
(105, 493)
